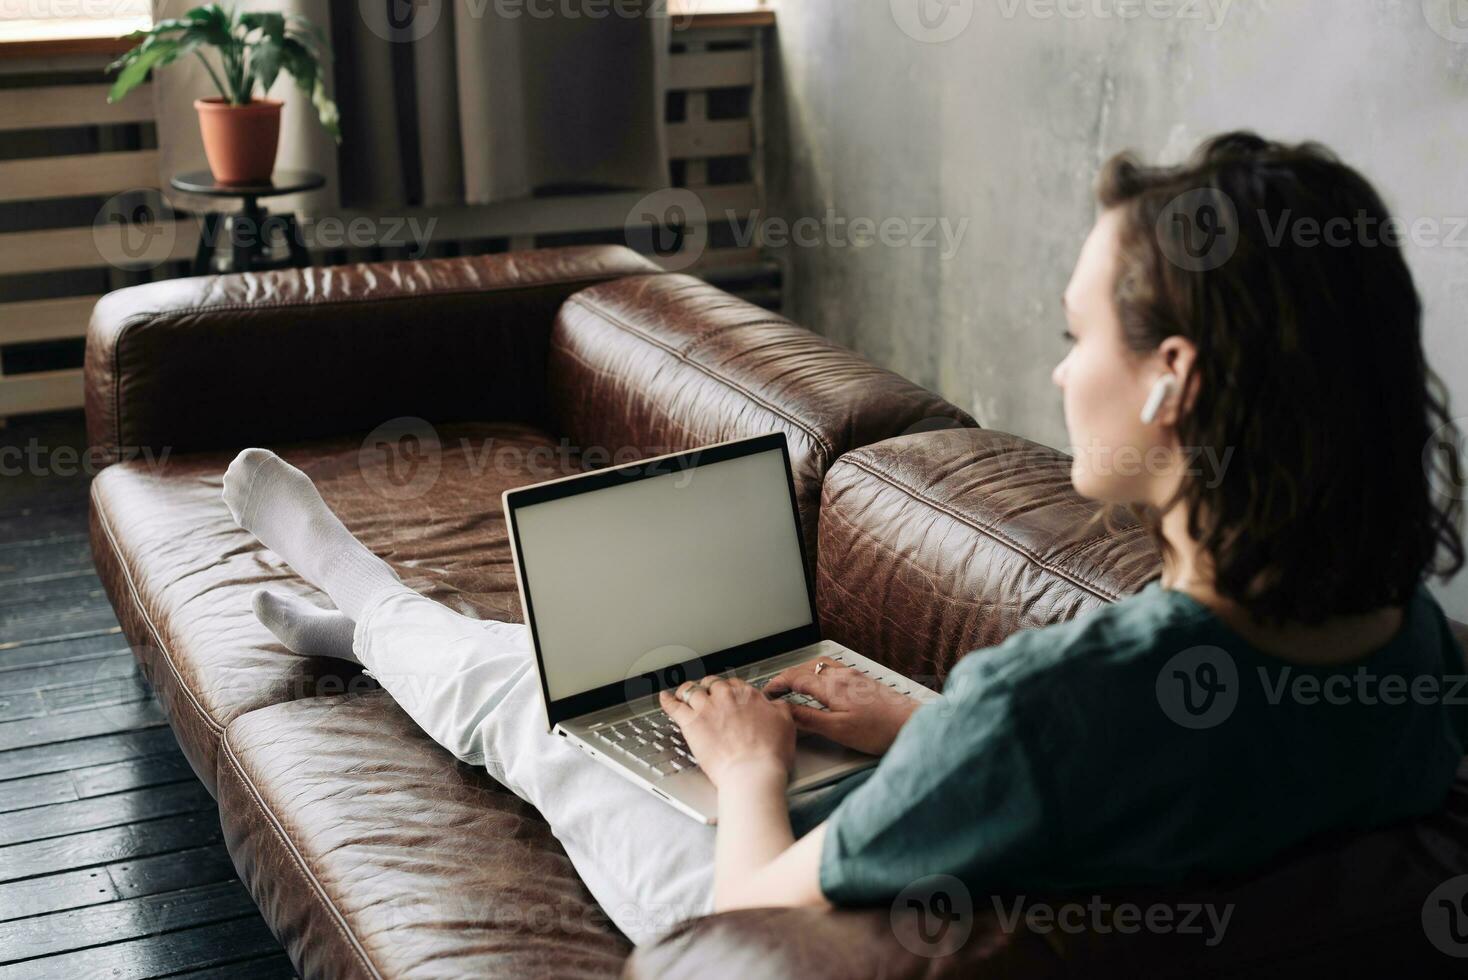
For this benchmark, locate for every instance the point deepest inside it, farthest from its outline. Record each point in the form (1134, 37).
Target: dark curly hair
(1343, 489)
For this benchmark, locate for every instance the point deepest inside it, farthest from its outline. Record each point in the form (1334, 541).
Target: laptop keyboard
(654, 741)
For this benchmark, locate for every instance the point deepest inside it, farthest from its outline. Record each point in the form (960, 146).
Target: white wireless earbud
(1161, 391)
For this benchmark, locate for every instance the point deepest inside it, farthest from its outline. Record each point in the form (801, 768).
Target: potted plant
(240, 128)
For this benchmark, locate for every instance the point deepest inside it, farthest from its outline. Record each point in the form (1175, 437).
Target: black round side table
(249, 229)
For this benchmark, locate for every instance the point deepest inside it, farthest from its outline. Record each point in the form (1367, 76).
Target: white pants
(472, 686)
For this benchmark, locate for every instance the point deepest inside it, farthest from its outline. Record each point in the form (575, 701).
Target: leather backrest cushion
(226, 361)
(935, 544)
(660, 364)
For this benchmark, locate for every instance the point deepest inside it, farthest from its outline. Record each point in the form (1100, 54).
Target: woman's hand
(862, 713)
(733, 730)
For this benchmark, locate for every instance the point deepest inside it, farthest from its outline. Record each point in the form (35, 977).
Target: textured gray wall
(999, 112)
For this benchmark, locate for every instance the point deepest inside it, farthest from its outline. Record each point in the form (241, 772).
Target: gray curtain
(469, 102)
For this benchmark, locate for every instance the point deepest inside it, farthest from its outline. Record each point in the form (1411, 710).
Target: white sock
(305, 628)
(279, 505)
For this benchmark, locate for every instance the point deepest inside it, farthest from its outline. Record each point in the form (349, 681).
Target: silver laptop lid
(636, 578)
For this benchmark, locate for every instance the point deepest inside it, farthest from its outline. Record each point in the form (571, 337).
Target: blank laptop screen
(637, 577)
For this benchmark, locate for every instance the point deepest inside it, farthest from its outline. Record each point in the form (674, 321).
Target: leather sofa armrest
(810, 943)
(223, 361)
(667, 363)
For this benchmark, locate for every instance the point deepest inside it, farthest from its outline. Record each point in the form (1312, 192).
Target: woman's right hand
(861, 713)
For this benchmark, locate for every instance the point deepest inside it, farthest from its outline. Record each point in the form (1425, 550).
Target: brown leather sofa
(371, 851)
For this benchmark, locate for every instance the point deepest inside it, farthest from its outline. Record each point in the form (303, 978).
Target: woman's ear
(1177, 356)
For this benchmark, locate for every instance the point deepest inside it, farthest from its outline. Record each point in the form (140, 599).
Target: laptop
(637, 578)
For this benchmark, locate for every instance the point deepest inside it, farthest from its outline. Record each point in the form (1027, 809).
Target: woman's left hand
(732, 727)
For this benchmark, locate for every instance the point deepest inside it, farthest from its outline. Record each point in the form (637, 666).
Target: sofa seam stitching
(826, 448)
(317, 304)
(148, 620)
(994, 533)
(295, 854)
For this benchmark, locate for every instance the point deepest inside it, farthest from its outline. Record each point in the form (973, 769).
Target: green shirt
(1144, 742)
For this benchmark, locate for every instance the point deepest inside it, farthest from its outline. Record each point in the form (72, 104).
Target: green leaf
(137, 68)
(265, 62)
(213, 21)
(326, 111)
(270, 25)
(308, 33)
(301, 64)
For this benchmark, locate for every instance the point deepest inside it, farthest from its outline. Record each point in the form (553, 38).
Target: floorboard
(117, 809)
(132, 918)
(42, 588)
(67, 648)
(221, 943)
(109, 844)
(86, 753)
(111, 858)
(37, 676)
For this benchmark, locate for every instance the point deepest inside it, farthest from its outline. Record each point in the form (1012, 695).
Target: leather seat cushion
(182, 573)
(372, 851)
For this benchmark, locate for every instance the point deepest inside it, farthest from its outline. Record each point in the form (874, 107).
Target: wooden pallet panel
(61, 106)
(79, 175)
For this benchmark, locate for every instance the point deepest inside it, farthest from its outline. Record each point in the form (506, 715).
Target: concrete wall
(998, 113)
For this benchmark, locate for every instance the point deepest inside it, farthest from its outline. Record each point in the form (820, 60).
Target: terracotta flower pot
(240, 140)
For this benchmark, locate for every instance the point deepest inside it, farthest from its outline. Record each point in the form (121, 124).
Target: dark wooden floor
(111, 863)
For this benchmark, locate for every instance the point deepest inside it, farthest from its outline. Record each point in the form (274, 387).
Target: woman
(1163, 736)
